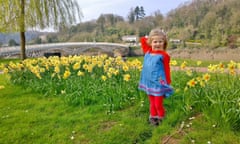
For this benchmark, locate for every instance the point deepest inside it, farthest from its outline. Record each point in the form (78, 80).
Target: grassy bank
(28, 117)
(32, 116)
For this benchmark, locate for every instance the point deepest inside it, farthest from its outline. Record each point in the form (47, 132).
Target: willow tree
(20, 15)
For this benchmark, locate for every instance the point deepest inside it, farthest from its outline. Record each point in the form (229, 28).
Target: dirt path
(198, 69)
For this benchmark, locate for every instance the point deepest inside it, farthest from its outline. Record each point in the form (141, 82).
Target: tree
(139, 13)
(136, 14)
(38, 40)
(158, 18)
(101, 21)
(131, 16)
(142, 13)
(12, 42)
(36, 14)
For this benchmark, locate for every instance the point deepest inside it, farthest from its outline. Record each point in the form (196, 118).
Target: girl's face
(157, 43)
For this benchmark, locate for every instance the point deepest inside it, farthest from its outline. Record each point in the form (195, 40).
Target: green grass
(205, 63)
(190, 62)
(5, 61)
(27, 117)
(30, 117)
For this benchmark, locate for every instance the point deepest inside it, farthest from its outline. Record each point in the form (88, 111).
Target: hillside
(30, 35)
(208, 22)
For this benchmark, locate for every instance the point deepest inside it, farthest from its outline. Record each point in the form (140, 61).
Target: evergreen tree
(137, 13)
(142, 13)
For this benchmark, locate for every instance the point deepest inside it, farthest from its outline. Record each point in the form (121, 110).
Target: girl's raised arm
(145, 46)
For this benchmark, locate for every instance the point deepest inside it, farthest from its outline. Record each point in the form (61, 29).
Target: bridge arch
(70, 48)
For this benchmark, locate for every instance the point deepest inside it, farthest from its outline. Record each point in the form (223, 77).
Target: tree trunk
(22, 30)
(23, 49)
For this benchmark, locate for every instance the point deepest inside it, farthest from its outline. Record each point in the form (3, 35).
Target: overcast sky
(92, 9)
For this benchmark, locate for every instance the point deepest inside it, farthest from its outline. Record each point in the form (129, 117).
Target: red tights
(156, 106)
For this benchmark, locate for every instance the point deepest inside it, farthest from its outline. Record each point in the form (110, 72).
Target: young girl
(155, 76)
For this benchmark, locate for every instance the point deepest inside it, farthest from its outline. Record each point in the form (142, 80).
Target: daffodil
(103, 77)
(53, 75)
(177, 90)
(232, 72)
(2, 66)
(212, 68)
(183, 65)
(202, 84)
(206, 77)
(191, 83)
(56, 69)
(80, 73)
(116, 72)
(90, 68)
(173, 62)
(198, 79)
(238, 65)
(76, 66)
(125, 68)
(189, 72)
(63, 91)
(42, 70)
(38, 75)
(66, 74)
(109, 75)
(2, 87)
(199, 63)
(99, 63)
(85, 66)
(221, 65)
(126, 77)
(5, 70)
(231, 65)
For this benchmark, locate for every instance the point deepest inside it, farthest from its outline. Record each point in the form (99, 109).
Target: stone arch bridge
(66, 49)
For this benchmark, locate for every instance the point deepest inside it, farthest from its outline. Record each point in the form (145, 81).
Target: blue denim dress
(153, 78)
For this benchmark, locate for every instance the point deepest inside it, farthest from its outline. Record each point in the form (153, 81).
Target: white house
(130, 38)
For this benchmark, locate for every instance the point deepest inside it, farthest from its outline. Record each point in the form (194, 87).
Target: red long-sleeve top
(166, 58)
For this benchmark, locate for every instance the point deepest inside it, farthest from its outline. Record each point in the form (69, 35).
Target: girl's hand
(145, 46)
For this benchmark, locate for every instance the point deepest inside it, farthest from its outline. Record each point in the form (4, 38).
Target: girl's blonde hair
(157, 32)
